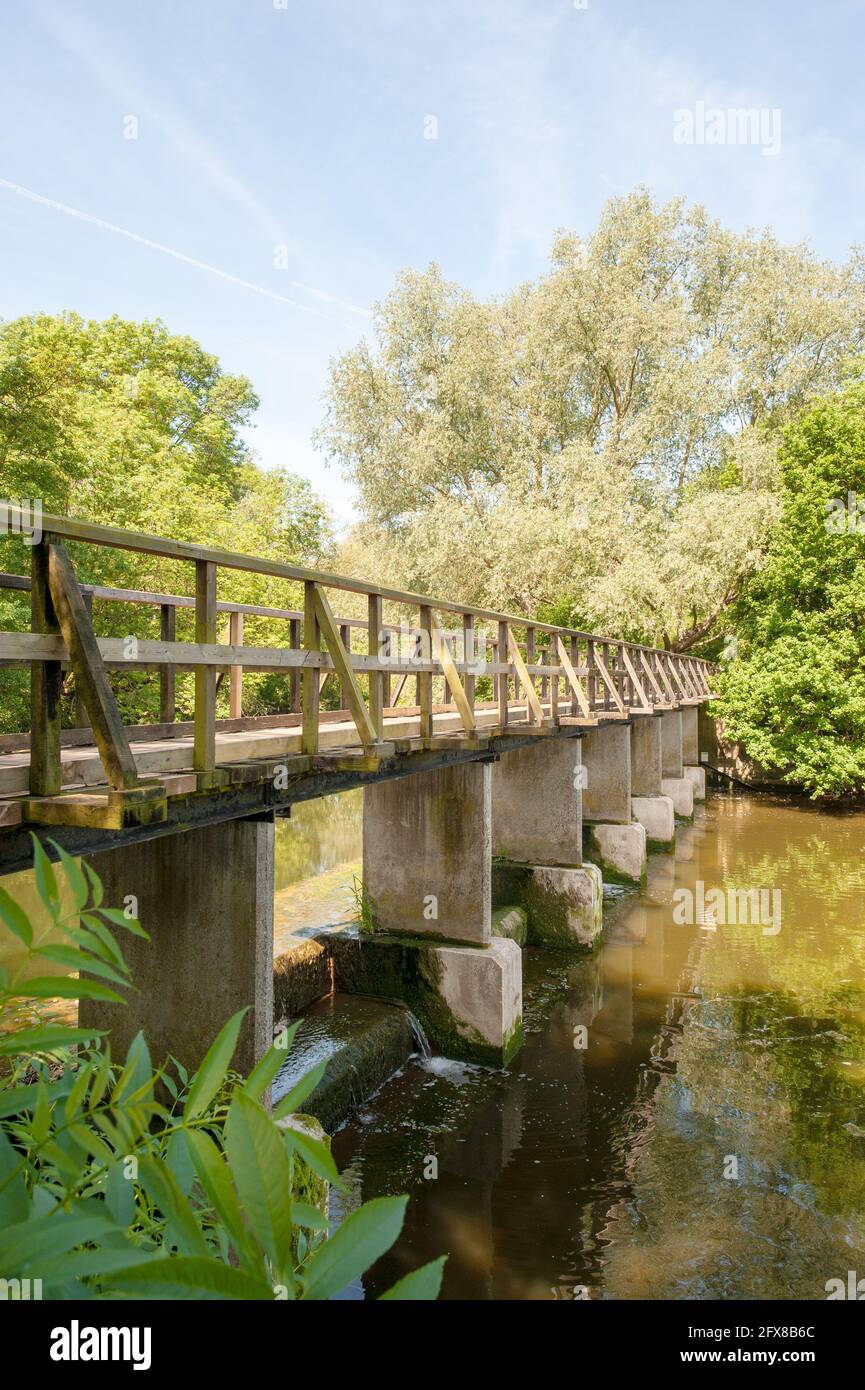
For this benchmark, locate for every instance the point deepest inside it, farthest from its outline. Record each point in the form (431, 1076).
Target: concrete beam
(206, 898)
(537, 814)
(427, 843)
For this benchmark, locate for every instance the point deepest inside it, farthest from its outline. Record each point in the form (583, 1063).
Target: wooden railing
(543, 676)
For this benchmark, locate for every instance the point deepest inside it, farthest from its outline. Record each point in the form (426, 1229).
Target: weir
(483, 819)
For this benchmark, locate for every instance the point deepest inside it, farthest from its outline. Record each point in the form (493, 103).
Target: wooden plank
(309, 679)
(660, 667)
(573, 679)
(450, 671)
(91, 678)
(235, 638)
(167, 678)
(339, 656)
(45, 678)
(533, 702)
(294, 678)
(609, 683)
(425, 681)
(82, 718)
(204, 745)
(377, 680)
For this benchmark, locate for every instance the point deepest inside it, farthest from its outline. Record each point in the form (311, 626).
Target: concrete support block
(564, 906)
(469, 1000)
(536, 803)
(690, 715)
(426, 854)
(697, 775)
(657, 816)
(646, 759)
(206, 898)
(512, 923)
(671, 743)
(606, 754)
(681, 792)
(620, 850)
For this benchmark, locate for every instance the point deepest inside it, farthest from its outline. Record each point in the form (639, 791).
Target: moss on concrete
(511, 922)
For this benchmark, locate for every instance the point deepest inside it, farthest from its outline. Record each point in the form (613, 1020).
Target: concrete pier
(615, 839)
(206, 900)
(691, 767)
(537, 843)
(674, 783)
(649, 807)
(426, 936)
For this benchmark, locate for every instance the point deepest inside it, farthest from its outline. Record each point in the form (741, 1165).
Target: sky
(257, 172)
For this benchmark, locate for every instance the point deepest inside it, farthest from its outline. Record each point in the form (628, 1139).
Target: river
(707, 1142)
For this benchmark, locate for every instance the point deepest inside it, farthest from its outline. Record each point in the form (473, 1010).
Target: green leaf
(294, 1098)
(14, 1201)
(309, 1217)
(423, 1283)
(15, 918)
(264, 1071)
(110, 951)
(162, 1187)
(62, 987)
(46, 880)
(95, 883)
(215, 1177)
(120, 919)
(314, 1153)
(185, 1277)
(212, 1072)
(362, 1239)
(48, 1037)
(120, 1194)
(259, 1166)
(137, 1074)
(24, 1245)
(80, 960)
(74, 876)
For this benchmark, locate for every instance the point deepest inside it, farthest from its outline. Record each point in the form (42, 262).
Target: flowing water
(708, 1141)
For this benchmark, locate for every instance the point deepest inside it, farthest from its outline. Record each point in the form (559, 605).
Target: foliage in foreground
(795, 695)
(107, 1192)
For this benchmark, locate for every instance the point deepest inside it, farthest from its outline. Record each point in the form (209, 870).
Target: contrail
(165, 250)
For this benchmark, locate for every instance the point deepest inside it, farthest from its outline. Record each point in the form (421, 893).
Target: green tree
(600, 443)
(795, 695)
(127, 424)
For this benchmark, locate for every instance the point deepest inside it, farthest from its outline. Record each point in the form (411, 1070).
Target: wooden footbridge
(467, 728)
(101, 781)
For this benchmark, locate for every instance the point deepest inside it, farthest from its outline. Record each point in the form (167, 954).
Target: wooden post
(425, 680)
(531, 658)
(204, 751)
(345, 638)
(235, 638)
(553, 660)
(309, 681)
(502, 683)
(469, 655)
(294, 678)
(45, 678)
(81, 718)
(575, 661)
(167, 683)
(376, 678)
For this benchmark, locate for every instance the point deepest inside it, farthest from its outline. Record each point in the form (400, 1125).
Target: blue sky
(302, 124)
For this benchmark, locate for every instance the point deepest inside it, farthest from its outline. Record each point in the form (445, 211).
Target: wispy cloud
(94, 221)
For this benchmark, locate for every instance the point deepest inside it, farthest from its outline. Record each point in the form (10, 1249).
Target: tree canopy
(131, 425)
(600, 445)
(795, 695)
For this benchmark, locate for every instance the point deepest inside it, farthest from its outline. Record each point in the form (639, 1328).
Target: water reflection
(709, 1142)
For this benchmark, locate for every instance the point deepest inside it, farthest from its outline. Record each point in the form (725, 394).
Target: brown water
(709, 1140)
